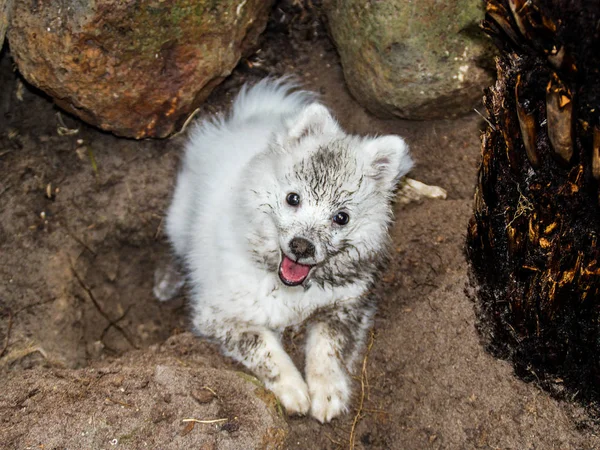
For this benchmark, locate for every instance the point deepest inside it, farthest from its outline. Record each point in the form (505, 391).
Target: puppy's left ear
(388, 160)
(312, 119)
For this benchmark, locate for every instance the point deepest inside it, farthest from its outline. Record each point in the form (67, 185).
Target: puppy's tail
(278, 97)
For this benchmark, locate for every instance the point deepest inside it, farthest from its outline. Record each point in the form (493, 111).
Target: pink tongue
(293, 272)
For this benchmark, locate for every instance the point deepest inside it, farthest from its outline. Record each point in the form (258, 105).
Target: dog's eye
(293, 199)
(341, 218)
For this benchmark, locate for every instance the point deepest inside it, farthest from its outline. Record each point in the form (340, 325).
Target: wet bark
(533, 238)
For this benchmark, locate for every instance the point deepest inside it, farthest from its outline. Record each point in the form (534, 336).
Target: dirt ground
(81, 235)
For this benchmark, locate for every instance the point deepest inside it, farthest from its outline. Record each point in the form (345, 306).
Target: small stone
(203, 395)
(117, 380)
(230, 426)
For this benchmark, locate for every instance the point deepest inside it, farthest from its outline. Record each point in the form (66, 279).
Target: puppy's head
(321, 200)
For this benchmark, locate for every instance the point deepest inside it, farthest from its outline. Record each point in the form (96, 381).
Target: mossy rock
(137, 68)
(414, 60)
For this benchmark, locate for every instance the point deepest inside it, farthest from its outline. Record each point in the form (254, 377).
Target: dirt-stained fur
(280, 216)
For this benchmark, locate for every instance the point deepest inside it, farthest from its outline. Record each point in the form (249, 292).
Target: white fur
(230, 224)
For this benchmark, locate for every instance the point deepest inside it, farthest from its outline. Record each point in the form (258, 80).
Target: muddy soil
(81, 215)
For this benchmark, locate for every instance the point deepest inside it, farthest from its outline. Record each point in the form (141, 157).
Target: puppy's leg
(168, 280)
(335, 341)
(260, 350)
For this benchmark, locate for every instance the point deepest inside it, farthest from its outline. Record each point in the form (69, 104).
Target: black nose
(302, 248)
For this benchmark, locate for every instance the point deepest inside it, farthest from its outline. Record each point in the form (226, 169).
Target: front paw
(292, 392)
(329, 394)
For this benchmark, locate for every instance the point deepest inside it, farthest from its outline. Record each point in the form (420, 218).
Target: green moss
(425, 24)
(157, 26)
(403, 58)
(250, 378)
(196, 13)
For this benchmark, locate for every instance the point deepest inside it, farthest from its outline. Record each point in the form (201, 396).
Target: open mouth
(293, 273)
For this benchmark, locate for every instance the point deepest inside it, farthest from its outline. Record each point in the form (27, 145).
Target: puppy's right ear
(313, 119)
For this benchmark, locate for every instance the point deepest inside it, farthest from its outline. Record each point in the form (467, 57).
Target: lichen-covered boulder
(411, 59)
(137, 68)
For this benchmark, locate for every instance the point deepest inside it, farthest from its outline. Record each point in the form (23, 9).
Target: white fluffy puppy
(280, 217)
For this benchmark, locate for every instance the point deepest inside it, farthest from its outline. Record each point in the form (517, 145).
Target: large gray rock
(411, 59)
(137, 68)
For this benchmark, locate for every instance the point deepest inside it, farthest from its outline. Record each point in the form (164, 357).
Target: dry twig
(524, 207)
(187, 122)
(333, 441)
(363, 383)
(204, 421)
(486, 119)
(158, 229)
(210, 390)
(62, 129)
